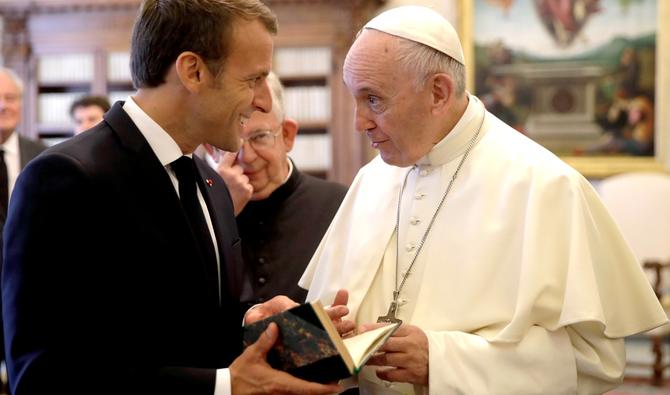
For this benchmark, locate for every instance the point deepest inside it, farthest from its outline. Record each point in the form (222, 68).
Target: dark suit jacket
(280, 234)
(103, 288)
(28, 149)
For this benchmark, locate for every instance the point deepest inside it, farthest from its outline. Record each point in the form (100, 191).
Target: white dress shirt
(167, 151)
(12, 160)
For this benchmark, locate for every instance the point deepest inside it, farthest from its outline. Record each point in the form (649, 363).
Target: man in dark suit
(15, 150)
(119, 275)
(283, 213)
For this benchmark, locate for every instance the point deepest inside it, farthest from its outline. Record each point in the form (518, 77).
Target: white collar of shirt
(11, 145)
(163, 145)
(12, 158)
(457, 140)
(290, 170)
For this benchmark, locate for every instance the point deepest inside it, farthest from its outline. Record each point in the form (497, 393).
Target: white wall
(447, 8)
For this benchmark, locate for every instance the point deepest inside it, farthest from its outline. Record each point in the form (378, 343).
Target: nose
(362, 121)
(262, 97)
(246, 154)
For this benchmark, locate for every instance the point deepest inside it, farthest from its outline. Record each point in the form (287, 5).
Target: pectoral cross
(393, 308)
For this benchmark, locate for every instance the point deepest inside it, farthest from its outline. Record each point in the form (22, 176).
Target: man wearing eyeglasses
(282, 213)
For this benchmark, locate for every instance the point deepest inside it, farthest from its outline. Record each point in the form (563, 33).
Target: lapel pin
(209, 182)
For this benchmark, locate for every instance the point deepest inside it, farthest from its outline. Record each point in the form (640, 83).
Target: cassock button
(410, 247)
(262, 280)
(261, 260)
(414, 221)
(419, 196)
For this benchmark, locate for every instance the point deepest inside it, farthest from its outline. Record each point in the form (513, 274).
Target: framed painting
(587, 79)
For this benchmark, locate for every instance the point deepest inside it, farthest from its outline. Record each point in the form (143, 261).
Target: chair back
(640, 205)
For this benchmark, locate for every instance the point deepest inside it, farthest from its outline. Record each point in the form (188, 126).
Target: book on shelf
(302, 61)
(309, 346)
(312, 151)
(65, 68)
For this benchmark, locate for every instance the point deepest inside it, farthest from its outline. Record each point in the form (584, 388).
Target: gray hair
(14, 77)
(423, 61)
(277, 92)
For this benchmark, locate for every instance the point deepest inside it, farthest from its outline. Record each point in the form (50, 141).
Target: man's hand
(273, 306)
(251, 374)
(237, 183)
(339, 309)
(406, 352)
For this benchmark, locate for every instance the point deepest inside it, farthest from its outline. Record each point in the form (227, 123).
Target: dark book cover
(304, 347)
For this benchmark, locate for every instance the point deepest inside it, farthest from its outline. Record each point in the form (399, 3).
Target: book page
(362, 346)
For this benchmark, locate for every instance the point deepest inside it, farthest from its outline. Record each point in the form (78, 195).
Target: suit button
(261, 260)
(262, 280)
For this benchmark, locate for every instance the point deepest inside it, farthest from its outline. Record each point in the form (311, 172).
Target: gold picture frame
(597, 167)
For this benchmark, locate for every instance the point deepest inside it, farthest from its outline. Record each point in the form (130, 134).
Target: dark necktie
(4, 183)
(186, 173)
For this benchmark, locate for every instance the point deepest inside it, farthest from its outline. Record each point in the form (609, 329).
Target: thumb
(228, 159)
(266, 340)
(341, 298)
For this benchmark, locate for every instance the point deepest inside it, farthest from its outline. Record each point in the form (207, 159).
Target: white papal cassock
(524, 285)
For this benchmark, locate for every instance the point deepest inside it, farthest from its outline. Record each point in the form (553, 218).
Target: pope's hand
(251, 374)
(406, 352)
(273, 306)
(338, 310)
(236, 181)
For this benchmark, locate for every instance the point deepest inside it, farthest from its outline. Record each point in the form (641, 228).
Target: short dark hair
(166, 28)
(88, 101)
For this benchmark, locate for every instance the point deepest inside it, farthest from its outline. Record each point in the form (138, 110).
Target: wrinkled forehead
(372, 57)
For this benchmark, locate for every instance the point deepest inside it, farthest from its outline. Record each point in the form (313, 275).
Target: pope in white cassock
(506, 270)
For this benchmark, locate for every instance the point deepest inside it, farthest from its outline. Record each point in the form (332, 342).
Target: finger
(341, 298)
(394, 359)
(228, 158)
(344, 327)
(337, 312)
(265, 341)
(395, 344)
(378, 359)
(368, 327)
(394, 375)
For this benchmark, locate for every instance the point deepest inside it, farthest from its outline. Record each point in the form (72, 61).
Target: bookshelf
(305, 72)
(92, 37)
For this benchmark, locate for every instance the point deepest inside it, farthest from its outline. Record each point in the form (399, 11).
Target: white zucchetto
(422, 25)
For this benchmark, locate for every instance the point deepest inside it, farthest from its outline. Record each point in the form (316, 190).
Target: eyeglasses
(263, 139)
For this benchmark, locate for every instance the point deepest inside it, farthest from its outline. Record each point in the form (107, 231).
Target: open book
(310, 348)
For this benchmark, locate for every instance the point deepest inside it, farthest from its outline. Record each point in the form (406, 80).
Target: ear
(191, 71)
(289, 129)
(442, 89)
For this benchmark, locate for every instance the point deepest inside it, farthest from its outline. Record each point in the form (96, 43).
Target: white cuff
(222, 384)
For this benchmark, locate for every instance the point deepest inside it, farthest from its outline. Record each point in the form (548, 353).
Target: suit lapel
(223, 221)
(155, 195)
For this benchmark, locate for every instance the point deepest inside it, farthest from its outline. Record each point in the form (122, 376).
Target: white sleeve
(578, 360)
(222, 385)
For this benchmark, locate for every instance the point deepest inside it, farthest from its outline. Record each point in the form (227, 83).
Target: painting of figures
(577, 76)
